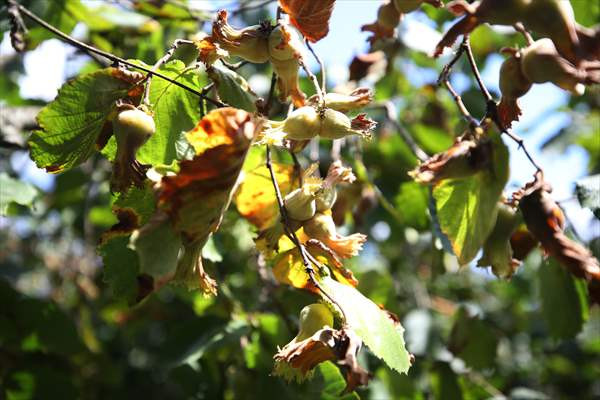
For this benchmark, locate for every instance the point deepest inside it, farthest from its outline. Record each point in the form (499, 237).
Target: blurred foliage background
(64, 335)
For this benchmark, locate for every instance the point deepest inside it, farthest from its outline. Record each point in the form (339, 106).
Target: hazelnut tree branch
(291, 234)
(115, 59)
(321, 65)
(492, 107)
(159, 63)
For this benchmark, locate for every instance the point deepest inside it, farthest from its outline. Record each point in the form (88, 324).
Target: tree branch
(159, 63)
(112, 57)
(321, 65)
(291, 234)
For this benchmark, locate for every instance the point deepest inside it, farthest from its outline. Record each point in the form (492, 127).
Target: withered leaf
(545, 221)
(297, 359)
(311, 17)
(463, 159)
(255, 199)
(197, 196)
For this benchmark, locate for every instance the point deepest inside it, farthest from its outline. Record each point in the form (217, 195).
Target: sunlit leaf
(72, 124)
(378, 331)
(233, 89)
(255, 199)
(14, 191)
(175, 111)
(466, 208)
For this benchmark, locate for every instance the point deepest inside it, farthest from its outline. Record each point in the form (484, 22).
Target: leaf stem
(86, 47)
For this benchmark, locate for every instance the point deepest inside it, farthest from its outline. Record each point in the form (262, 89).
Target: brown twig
(444, 79)
(159, 63)
(115, 59)
(491, 106)
(466, 44)
(297, 167)
(291, 234)
(314, 81)
(270, 96)
(321, 65)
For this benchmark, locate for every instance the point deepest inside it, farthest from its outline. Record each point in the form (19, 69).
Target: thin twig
(491, 106)
(444, 79)
(159, 63)
(314, 81)
(392, 117)
(291, 234)
(297, 168)
(459, 103)
(321, 65)
(467, 46)
(112, 57)
(521, 145)
(479, 380)
(269, 102)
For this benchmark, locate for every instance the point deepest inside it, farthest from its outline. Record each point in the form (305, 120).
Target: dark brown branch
(270, 96)
(492, 108)
(444, 79)
(112, 57)
(467, 46)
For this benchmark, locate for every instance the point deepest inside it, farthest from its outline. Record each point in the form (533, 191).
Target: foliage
(374, 199)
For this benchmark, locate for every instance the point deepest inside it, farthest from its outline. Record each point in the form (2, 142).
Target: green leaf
(371, 324)
(233, 88)
(142, 201)
(588, 193)
(564, 300)
(121, 266)
(72, 123)
(328, 383)
(14, 191)
(176, 110)
(586, 13)
(411, 204)
(445, 382)
(466, 208)
(64, 15)
(211, 252)
(157, 246)
(432, 139)
(473, 340)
